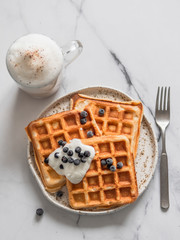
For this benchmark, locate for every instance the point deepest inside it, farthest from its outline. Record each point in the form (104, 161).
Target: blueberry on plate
(77, 149)
(59, 193)
(119, 165)
(109, 161)
(61, 166)
(39, 211)
(87, 154)
(90, 134)
(81, 154)
(76, 162)
(46, 160)
(65, 149)
(70, 160)
(64, 159)
(83, 121)
(56, 155)
(83, 114)
(70, 153)
(101, 112)
(60, 142)
(112, 168)
(103, 162)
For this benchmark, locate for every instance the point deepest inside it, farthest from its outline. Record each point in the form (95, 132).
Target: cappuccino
(34, 60)
(36, 63)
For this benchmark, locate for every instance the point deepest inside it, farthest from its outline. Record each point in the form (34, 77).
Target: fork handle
(164, 181)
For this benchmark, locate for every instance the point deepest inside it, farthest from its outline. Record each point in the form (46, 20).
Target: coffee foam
(34, 60)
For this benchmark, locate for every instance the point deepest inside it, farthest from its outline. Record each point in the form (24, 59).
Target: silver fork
(162, 116)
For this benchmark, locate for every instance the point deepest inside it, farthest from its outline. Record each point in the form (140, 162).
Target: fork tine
(165, 101)
(168, 103)
(157, 99)
(161, 97)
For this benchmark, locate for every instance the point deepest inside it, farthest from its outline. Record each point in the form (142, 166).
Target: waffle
(46, 132)
(102, 188)
(120, 118)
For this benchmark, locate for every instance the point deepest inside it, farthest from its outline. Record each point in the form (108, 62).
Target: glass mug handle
(71, 51)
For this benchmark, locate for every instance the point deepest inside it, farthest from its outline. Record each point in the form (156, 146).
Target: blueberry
(83, 121)
(81, 154)
(65, 149)
(109, 161)
(59, 193)
(90, 134)
(101, 112)
(87, 154)
(83, 160)
(119, 165)
(56, 155)
(70, 160)
(70, 153)
(112, 168)
(108, 166)
(46, 160)
(60, 142)
(83, 114)
(76, 162)
(64, 159)
(77, 149)
(103, 162)
(64, 143)
(61, 166)
(39, 211)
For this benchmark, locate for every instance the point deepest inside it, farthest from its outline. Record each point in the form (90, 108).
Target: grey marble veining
(132, 46)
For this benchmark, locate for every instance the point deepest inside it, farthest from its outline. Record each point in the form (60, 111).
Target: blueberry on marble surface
(83, 114)
(83, 121)
(101, 112)
(39, 211)
(77, 149)
(119, 165)
(76, 162)
(90, 134)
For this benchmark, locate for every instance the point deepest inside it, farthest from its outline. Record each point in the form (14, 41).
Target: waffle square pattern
(119, 118)
(45, 133)
(102, 188)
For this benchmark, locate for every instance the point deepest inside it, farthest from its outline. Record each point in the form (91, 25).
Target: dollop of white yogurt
(74, 173)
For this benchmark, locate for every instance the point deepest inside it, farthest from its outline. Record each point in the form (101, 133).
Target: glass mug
(37, 63)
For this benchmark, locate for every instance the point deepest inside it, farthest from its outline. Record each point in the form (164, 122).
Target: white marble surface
(133, 46)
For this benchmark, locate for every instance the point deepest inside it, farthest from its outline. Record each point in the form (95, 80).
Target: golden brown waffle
(120, 118)
(45, 133)
(102, 188)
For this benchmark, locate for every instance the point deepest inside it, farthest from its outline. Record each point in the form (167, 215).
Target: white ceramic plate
(145, 162)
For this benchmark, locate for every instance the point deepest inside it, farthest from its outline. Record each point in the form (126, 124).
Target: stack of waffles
(116, 136)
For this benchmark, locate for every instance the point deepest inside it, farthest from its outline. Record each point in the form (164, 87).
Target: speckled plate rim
(38, 179)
